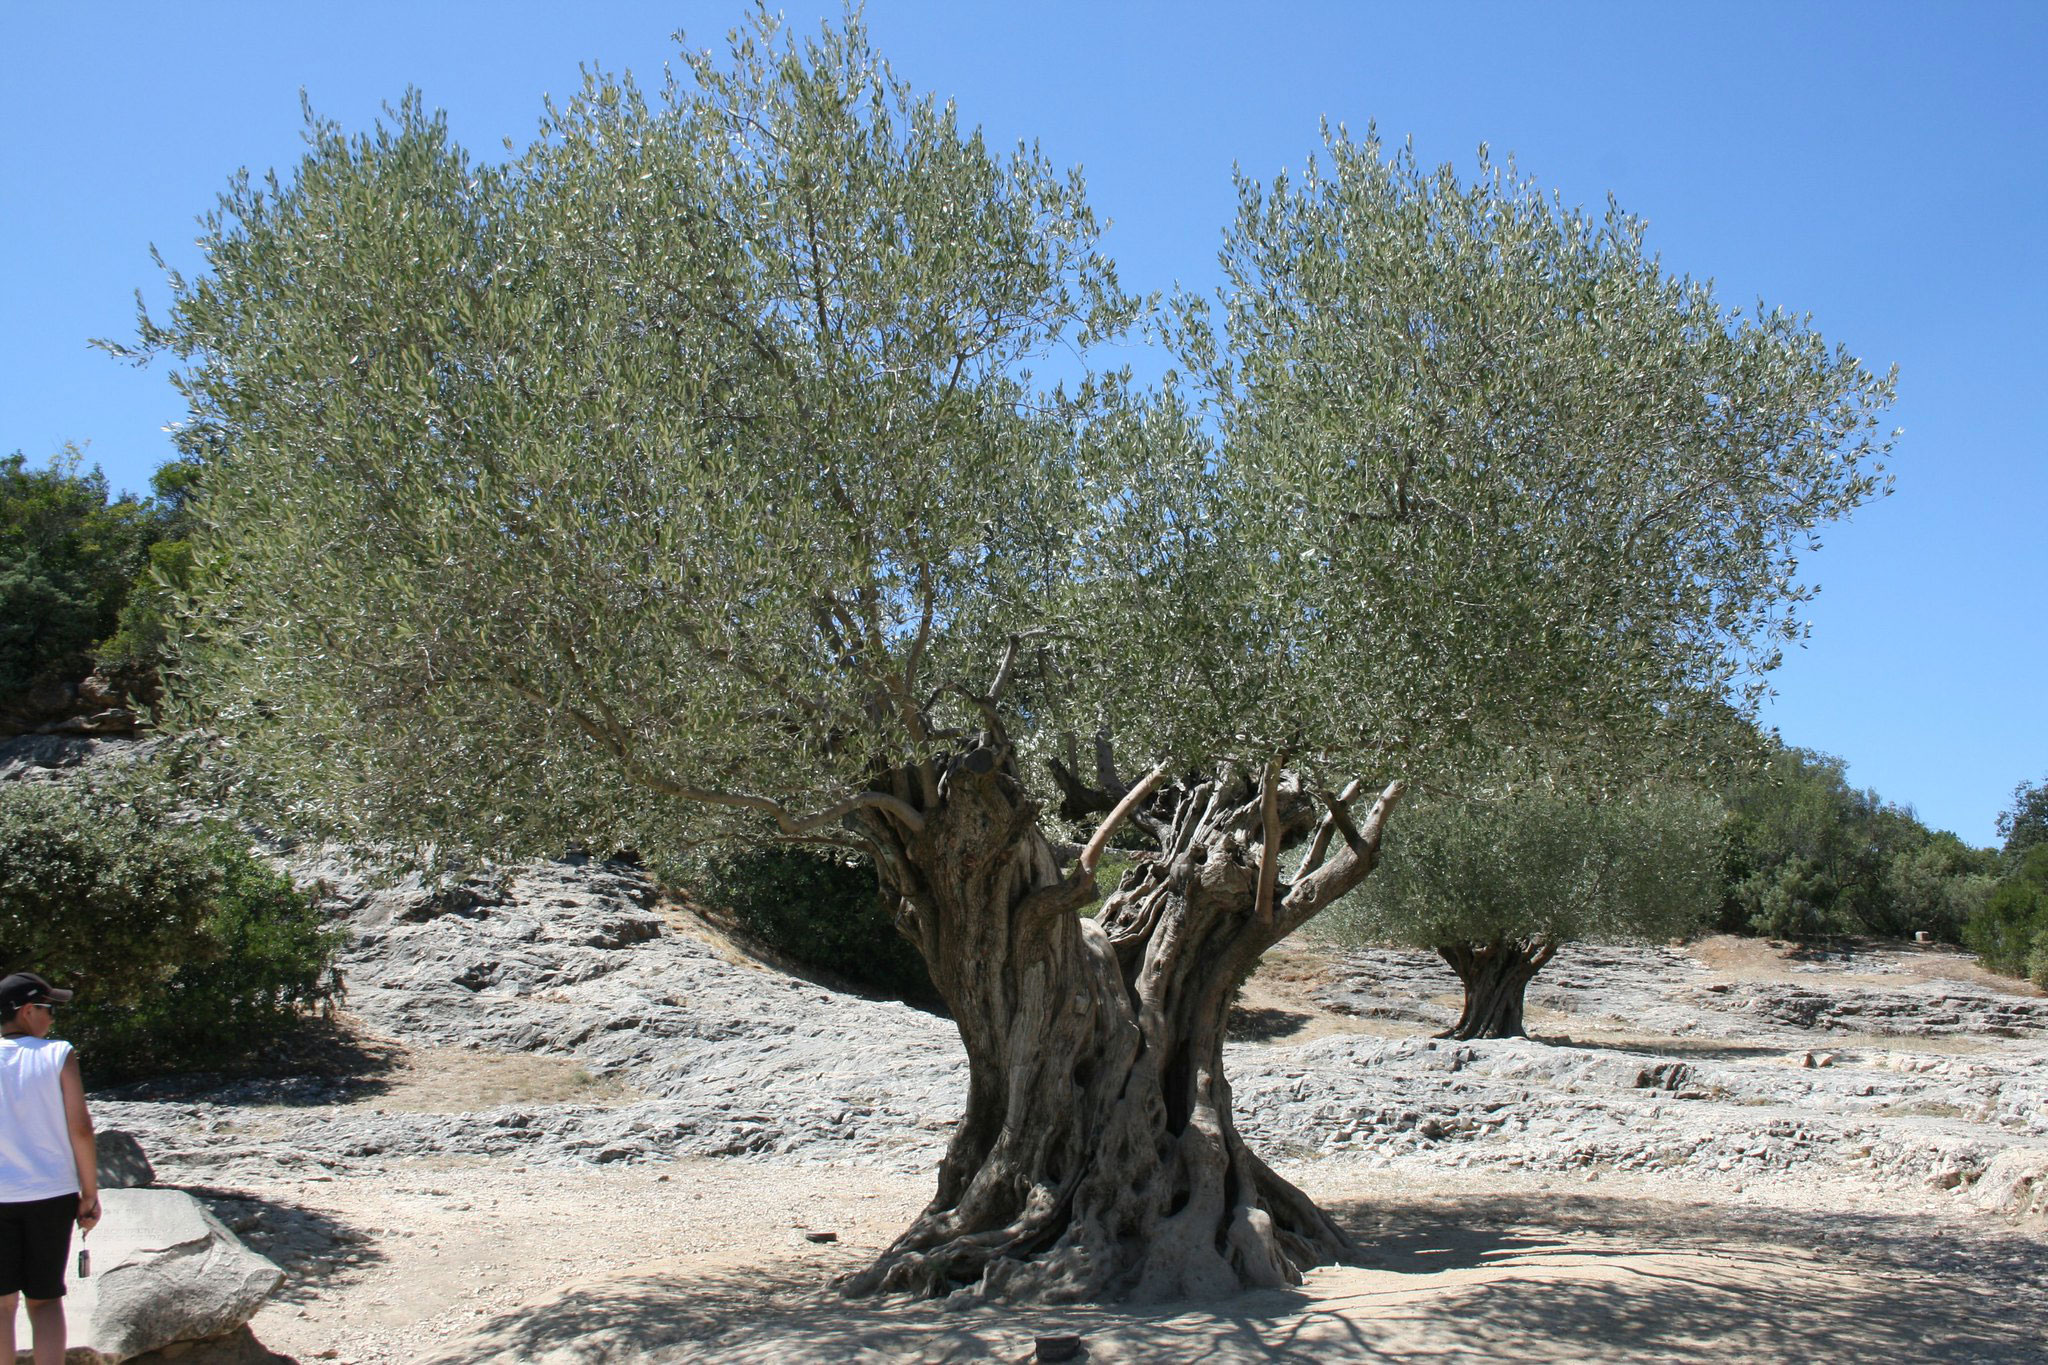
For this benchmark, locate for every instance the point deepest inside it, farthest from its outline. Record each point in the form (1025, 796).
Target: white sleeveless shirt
(35, 1141)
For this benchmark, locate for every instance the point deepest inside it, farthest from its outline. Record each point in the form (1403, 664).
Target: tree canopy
(2010, 931)
(2024, 824)
(67, 557)
(695, 446)
(686, 476)
(79, 581)
(689, 447)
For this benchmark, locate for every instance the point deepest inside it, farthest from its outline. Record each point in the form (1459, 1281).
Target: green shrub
(822, 912)
(2010, 931)
(186, 952)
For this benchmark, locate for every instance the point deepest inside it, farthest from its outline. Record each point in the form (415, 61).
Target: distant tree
(2010, 932)
(67, 558)
(1936, 883)
(143, 629)
(686, 477)
(1495, 886)
(2024, 824)
(82, 581)
(1810, 857)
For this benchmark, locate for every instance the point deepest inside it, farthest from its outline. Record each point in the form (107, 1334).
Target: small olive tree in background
(187, 953)
(686, 477)
(1495, 885)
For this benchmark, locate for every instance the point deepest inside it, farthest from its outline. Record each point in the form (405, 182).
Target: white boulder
(163, 1271)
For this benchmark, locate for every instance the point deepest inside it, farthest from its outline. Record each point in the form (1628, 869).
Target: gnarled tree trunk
(1496, 976)
(1098, 1157)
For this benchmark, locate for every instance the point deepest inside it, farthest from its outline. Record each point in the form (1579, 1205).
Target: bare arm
(84, 1151)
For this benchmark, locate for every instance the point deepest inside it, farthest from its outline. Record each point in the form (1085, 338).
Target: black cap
(26, 988)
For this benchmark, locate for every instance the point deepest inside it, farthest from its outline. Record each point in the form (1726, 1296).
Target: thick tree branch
(1269, 847)
(1340, 816)
(1007, 667)
(1320, 848)
(1135, 797)
(1105, 765)
(1310, 894)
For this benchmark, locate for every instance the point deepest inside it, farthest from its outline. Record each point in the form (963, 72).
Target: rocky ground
(553, 1078)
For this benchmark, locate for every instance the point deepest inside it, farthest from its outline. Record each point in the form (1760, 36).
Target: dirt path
(709, 1260)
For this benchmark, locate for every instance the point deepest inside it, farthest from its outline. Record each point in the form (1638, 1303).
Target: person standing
(49, 1166)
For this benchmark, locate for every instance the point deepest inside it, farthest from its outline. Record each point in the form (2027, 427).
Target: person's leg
(47, 1242)
(46, 1326)
(11, 1249)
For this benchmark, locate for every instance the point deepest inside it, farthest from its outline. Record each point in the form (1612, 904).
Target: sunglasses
(39, 1005)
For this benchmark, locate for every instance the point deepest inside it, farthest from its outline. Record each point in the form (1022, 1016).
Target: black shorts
(35, 1239)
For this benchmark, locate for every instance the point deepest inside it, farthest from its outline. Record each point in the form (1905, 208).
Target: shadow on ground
(315, 1250)
(1695, 1049)
(322, 1061)
(1264, 1023)
(1570, 1277)
(238, 1347)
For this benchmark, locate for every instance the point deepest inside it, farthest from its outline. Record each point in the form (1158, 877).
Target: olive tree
(686, 477)
(1496, 883)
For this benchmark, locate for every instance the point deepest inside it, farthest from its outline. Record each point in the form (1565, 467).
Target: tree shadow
(239, 1347)
(1525, 1277)
(1264, 1023)
(324, 1061)
(316, 1250)
(1703, 1049)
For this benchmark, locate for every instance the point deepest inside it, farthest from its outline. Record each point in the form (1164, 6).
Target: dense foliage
(142, 638)
(1811, 857)
(2010, 931)
(2024, 824)
(185, 951)
(737, 504)
(82, 578)
(718, 510)
(821, 911)
(68, 557)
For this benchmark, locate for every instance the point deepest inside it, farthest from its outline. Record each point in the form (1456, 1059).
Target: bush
(187, 953)
(1796, 900)
(2010, 931)
(822, 912)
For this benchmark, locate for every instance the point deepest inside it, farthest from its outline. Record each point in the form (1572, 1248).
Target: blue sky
(1882, 166)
